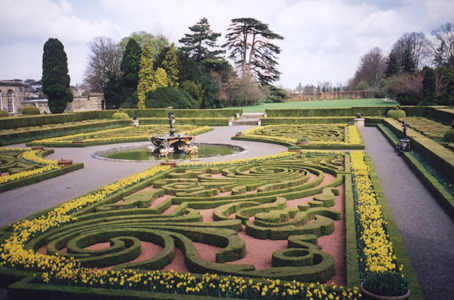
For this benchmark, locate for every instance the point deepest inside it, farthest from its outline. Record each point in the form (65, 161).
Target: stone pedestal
(135, 123)
(359, 122)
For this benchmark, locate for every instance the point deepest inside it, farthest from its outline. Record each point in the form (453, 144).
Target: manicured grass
(318, 104)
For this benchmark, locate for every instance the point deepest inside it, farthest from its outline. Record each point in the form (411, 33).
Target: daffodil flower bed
(13, 253)
(317, 135)
(29, 156)
(376, 253)
(117, 135)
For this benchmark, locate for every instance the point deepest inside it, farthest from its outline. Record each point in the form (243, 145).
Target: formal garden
(311, 222)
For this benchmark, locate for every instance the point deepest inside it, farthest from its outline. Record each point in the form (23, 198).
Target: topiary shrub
(293, 148)
(449, 135)
(3, 114)
(30, 110)
(396, 113)
(120, 115)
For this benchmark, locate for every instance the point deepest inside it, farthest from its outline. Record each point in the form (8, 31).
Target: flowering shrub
(375, 250)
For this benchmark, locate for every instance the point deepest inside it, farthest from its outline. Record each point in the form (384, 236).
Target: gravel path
(426, 229)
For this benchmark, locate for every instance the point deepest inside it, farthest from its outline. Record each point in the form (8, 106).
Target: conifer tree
(146, 76)
(170, 65)
(408, 63)
(130, 64)
(198, 44)
(160, 78)
(55, 76)
(250, 43)
(393, 66)
(429, 87)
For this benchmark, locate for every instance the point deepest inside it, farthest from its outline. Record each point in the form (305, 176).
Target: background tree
(198, 43)
(429, 87)
(161, 79)
(157, 42)
(170, 65)
(104, 59)
(392, 67)
(408, 63)
(130, 66)
(146, 76)
(250, 46)
(445, 75)
(442, 45)
(55, 76)
(414, 43)
(371, 69)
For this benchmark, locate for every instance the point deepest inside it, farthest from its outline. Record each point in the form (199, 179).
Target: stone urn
(170, 163)
(64, 162)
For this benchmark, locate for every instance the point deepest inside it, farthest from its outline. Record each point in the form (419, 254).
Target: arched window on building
(10, 97)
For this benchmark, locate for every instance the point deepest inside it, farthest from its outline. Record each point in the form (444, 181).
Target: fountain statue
(168, 144)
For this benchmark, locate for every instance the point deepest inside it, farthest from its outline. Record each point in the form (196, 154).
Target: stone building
(11, 95)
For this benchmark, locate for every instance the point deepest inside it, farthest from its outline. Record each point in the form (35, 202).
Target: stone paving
(427, 231)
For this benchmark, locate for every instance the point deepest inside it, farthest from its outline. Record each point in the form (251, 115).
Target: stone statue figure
(404, 129)
(171, 120)
(358, 115)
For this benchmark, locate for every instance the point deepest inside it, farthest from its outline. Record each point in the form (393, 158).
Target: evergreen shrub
(164, 97)
(396, 114)
(120, 115)
(3, 114)
(30, 110)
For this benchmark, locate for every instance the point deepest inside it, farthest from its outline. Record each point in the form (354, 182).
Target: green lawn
(319, 104)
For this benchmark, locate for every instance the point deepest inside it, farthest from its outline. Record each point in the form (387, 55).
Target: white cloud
(323, 39)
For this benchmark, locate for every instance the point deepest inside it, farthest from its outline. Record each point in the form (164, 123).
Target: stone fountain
(173, 142)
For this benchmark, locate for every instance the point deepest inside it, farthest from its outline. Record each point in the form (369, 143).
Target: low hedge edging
(40, 177)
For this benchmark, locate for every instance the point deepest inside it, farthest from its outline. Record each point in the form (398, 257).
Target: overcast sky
(323, 39)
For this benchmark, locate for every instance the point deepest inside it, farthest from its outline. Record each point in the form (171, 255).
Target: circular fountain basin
(140, 153)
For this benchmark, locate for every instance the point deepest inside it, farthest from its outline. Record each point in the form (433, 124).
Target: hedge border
(438, 156)
(446, 199)
(39, 177)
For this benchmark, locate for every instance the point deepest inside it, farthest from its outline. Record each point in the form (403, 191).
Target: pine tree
(55, 76)
(429, 87)
(160, 78)
(170, 65)
(393, 66)
(198, 44)
(408, 63)
(146, 76)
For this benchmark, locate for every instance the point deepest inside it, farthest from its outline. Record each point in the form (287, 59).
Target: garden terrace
(20, 167)
(431, 129)
(317, 136)
(274, 197)
(116, 135)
